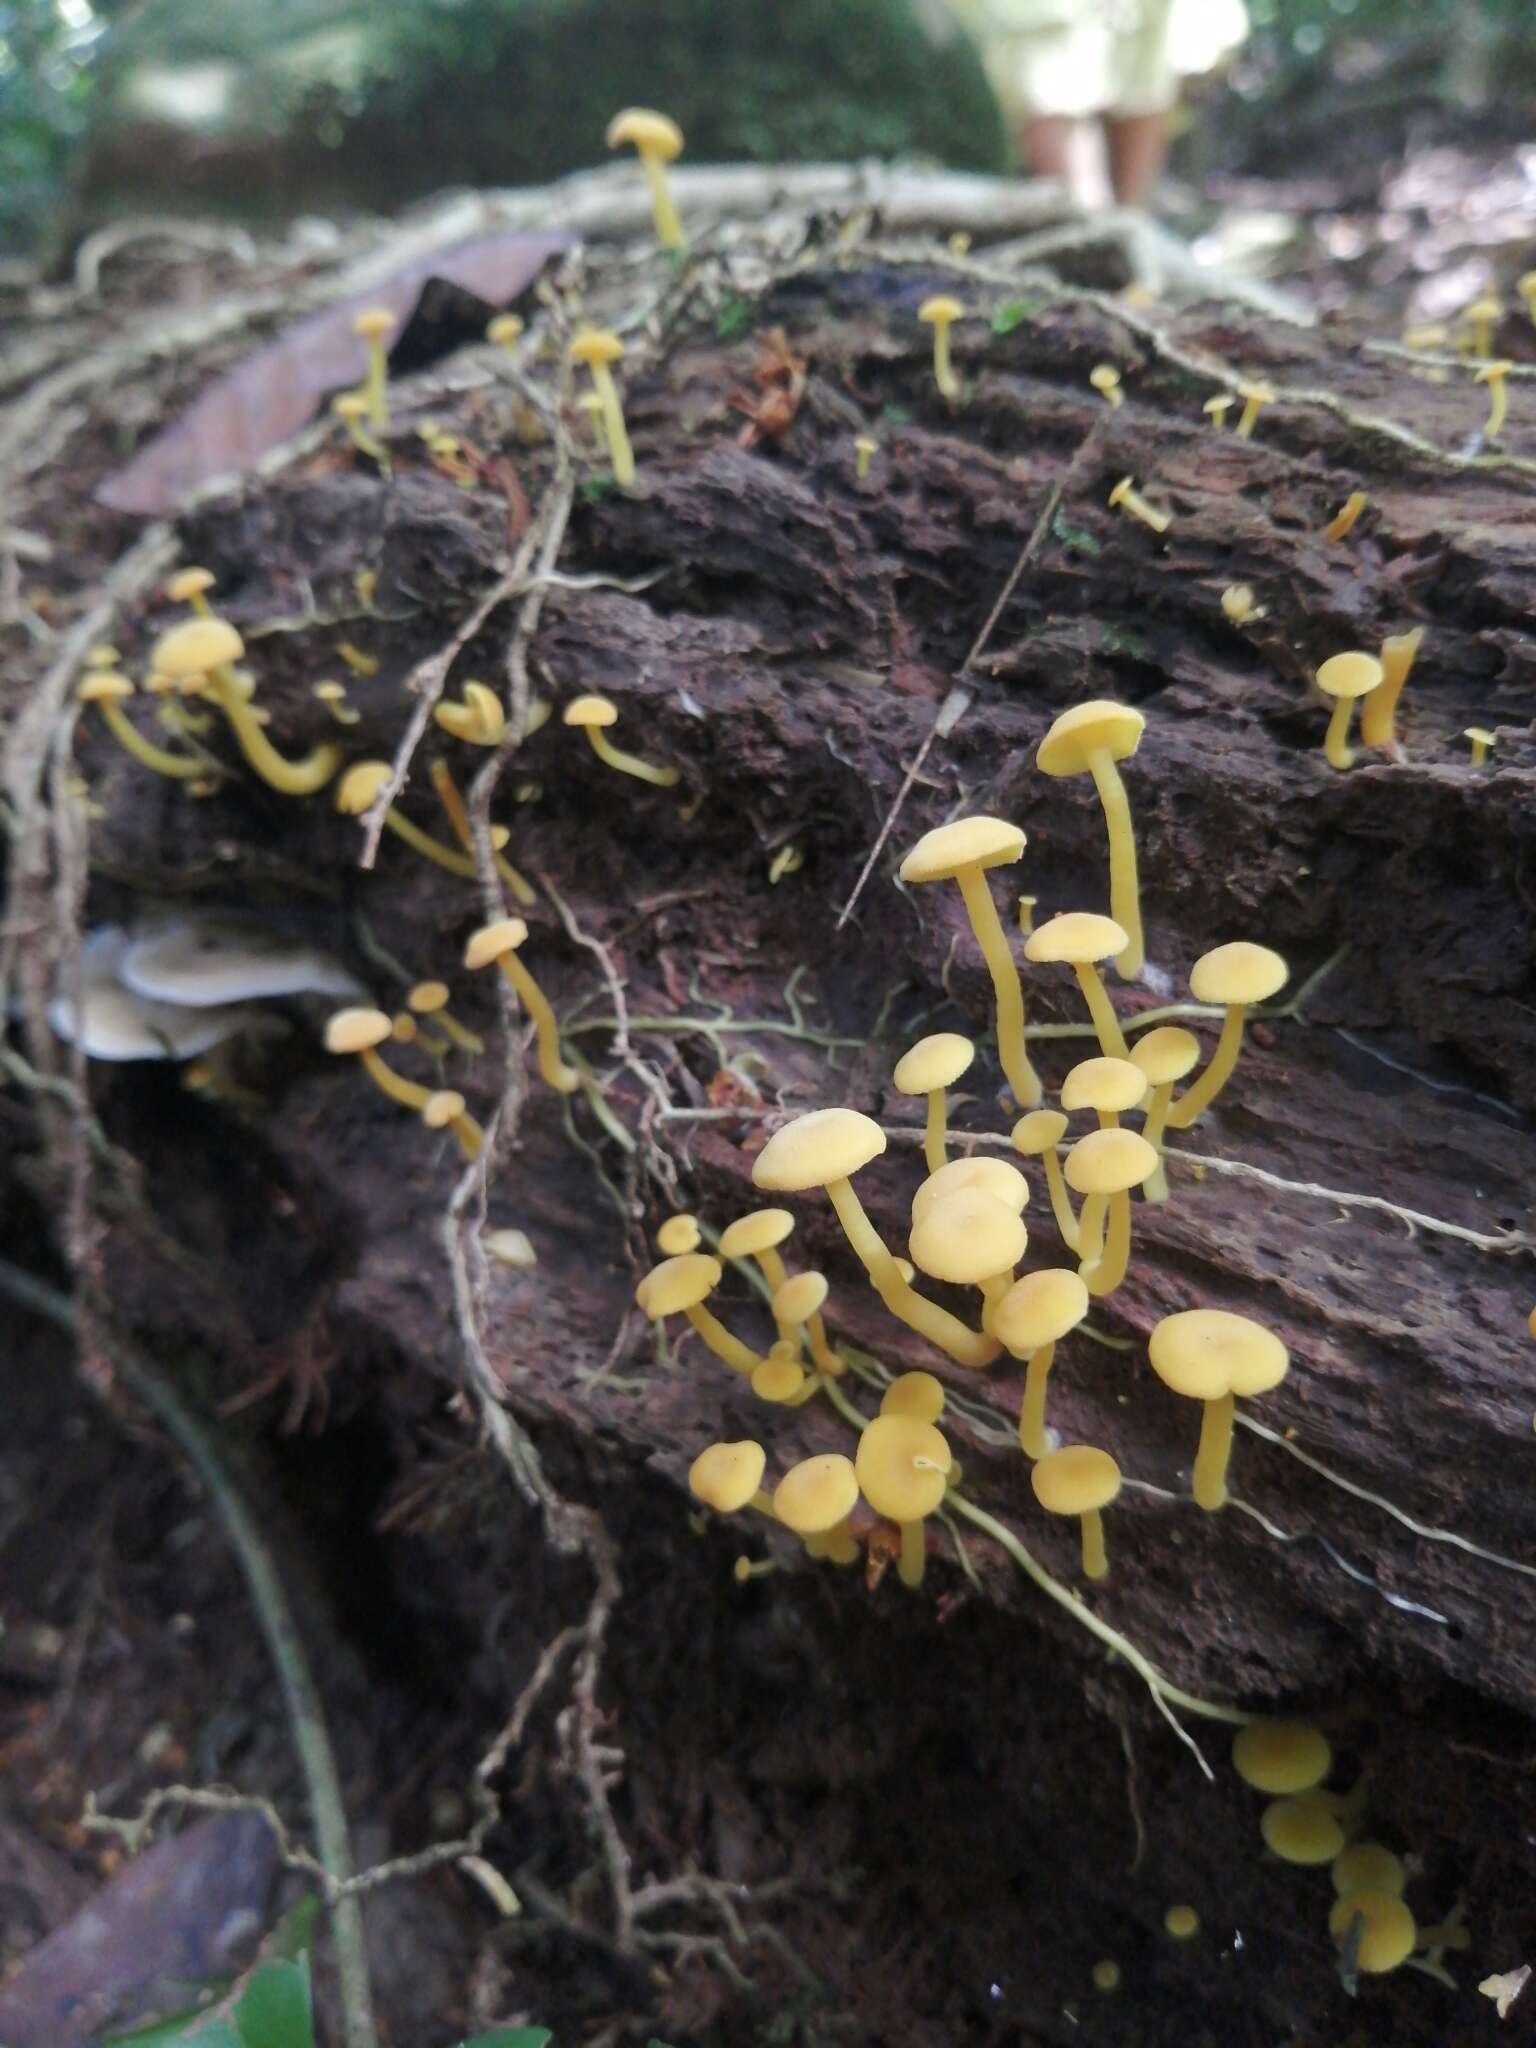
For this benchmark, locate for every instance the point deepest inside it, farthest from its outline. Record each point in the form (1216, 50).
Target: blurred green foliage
(45, 80)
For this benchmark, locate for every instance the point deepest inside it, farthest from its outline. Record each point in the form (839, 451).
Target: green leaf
(274, 2009)
(595, 488)
(734, 318)
(1075, 536)
(178, 2027)
(1013, 313)
(294, 1934)
(511, 2037)
(896, 415)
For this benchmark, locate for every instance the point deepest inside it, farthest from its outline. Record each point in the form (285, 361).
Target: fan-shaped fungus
(1090, 739)
(1378, 714)
(107, 689)
(1126, 497)
(430, 999)
(729, 1477)
(600, 351)
(961, 852)
(1165, 1055)
(1368, 1867)
(1281, 1757)
(361, 1033)
(199, 657)
(499, 942)
(1342, 524)
(1376, 1927)
(677, 1235)
(446, 1108)
(940, 313)
(1237, 976)
(1103, 1168)
(658, 141)
(1081, 939)
(928, 1068)
(1079, 1480)
(983, 1174)
(680, 1286)
(1039, 1136)
(371, 327)
(1212, 1356)
(592, 714)
(915, 1394)
(902, 1465)
(1108, 1086)
(1105, 379)
(970, 1240)
(1303, 1828)
(1346, 678)
(1031, 1319)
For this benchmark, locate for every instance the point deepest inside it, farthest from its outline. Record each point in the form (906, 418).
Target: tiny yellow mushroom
(359, 790)
(511, 1247)
(334, 697)
(657, 141)
(970, 1239)
(1103, 1168)
(940, 313)
(781, 1379)
(1082, 940)
(1238, 605)
(917, 1394)
(480, 718)
(902, 1466)
(1217, 408)
(797, 1306)
(1303, 1828)
(1255, 397)
(505, 331)
(1495, 376)
(1482, 739)
(430, 999)
(1212, 1356)
(864, 450)
(1105, 379)
(1107, 1085)
(360, 664)
(1079, 1480)
(1182, 1922)
(789, 860)
(1368, 1867)
(983, 1174)
(361, 1033)
(1342, 524)
(729, 1477)
(1376, 1929)
(680, 1286)
(1106, 1974)
(592, 715)
(1281, 1757)
(445, 1108)
(1031, 1319)
(1127, 498)
(452, 801)
(1236, 976)
(351, 408)
(1378, 714)
(373, 326)
(1346, 678)
(677, 1235)
(928, 1068)
(108, 691)
(199, 657)
(815, 1499)
(191, 586)
(599, 351)
(1038, 1136)
(499, 942)
(1092, 739)
(1165, 1055)
(1483, 317)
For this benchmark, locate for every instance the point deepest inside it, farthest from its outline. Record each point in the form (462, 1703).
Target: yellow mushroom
(657, 141)
(1346, 678)
(452, 801)
(1483, 317)
(505, 331)
(1255, 397)
(1374, 1930)
(1217, 408)
(352, 409)
(815, 1499)
(1105, 379)
(677, 1235)
(373, 326)
(983, 1175)
(1081, 939)
(1090, 739)
(781, 1378)
(430, 999)
(108, 691)
(729, 1477)
(1182, 1922)
(1495, 376)
(1237, 604)
(961, 852)
(1378, 714)
(1103, 1168)
(334, 697)
(1031, 1319)
(499, 942)
(916, 1394)
(940, 312)
(361, 1032)
(1106, 1974)
(445, 1107)
(1125, 497)
(480, 718)
(864, 453)
(902, 1467)
(680, 1286)
(359, 790)
(1481, 740)
(970, 1239)
(199, 657)
(1039, 1136)
(1212, 1356)
(1165, 1055)
(1079, 1480)
(1303, 1828)
(1368, 1867)
(1525, 289)
(1105, 1085)
(797, 1307)
(592, 715)
(1281, 1757)
(191, 586)
(1343, 521)
(928, 1068)
(1237, 976)
(599, 351)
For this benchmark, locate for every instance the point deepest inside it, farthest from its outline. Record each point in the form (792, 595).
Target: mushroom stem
(465, 1039)
(547, 1033)
(776, 1273)
(913, 1555)
(1106, 1273)
(409, 1094)
(1210, 1473)
(1155, 1187)
(145, 752)
(935, 1130)
(1032, 1437)
(1095, 1557)
(1061, 1201)
(428, 847)
(1101, 1009)
(961, 1343)
(1378, 714)
(1124, 889)
(669, 229)
(992, 1291)
(452, 801)
(943, 369)
(1341, 754)
(1007, 991)
(620, 453)
(1090, 1232)
(631, 764)
(738, 1356)
(1202, 1093)
(293, 778)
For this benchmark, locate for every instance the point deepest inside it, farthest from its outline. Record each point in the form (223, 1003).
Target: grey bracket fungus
(201, 958)
(113, 1022)
(1091, 739)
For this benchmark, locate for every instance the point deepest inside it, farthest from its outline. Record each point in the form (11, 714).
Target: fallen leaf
(1505, 1988)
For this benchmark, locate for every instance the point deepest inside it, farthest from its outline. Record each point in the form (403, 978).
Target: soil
(937, 1810)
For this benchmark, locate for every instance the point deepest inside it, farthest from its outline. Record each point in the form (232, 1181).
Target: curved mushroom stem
(992, 1291)
(546, 1031)
(914, 1553)
(1007, 992)
(460, 1034)
(376, 382)
(838, 1545)
(1105, 1275)
(183, 766)
(935, 1130)
(1203, 1093)
(669, 229)
(943, 369)
(1124, 888)
(1341, 754)
(1033, 1440)
(458, 817)
(1061, 1201)
(293, 778)
(469, 1134)
(956, 1339)
(620, 452)
(828, 1361)
(1095, 1556)
(775, 1272)
(1210, 1473)
(1090, 1232)
(1378, 713)
(409, 1094)
(1102, 1011)
(631, 764)
(1155, 1187)
(738, 1356)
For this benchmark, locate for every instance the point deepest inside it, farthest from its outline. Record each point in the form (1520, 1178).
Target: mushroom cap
(801, 1297)
(968, 1237)
(725, 1476)
(356, 1030)
(1038, 1132)
(1470, 732)
(117, 1023)
(1303, 1828)
(1103, 376)
(994, 1177)
(937, 1061)
(1166, 1054)
(505, 329)
(512, 1247)
(187, 584)
(374, 322)
(1075, 1480)
(821, 1146)
(104, 686)
(441, 1108)
(427, 998)
(915, 1394)
(1100, 726)
(1390, 1933)
(941, 309)
(492, 940)
(1237, 973)
(1368, 1867)
(901, 1467)
(591, 710)
(1039, 1309)
(1078, 937)
(759, 1232)
(978, 842)
(654, 134)
(1281, 1757)
(677, 1283)
(1182, 1922)
(194, 647)
(200, 958)
(778, 1377)
(1109, 1162)
(1208, 1353)
(350, 405)
(358, 789)
(1349, 675)
(594, 346)
(1104, 1083)
(677, 1235)
(817, 1494)
(1493, 373)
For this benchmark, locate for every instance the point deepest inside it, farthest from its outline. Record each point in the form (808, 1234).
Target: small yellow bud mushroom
(359, 790)
(373, 326)
(780, 1378)
(199, 657)
(680, 1286)
(902, 1466)
(191, 587)
(1255, 397)
(940, 313)
(758, 1236)
(1345, 678)
(1212, 1356)
(480, 718)
(334, 697)
(362, 1032)
(970, 1239)
(729, 1477)
(430, 999)
(1481, 740)
(1375, 1928)
(961, 852)
(1127, 498)
(1090, 739)
(499, 942)
(1237, 976)
(1039, 1136)
(1165, 1055)
(1217, 408)
(1106, 1974)
(591, 715)
(1031, 1319)
(505, 331)
(1182, 1922)
(916, 1394)
(797, 1307)
(1238, 605)
(1342, 524)
(658, 141)
(864, 452)
(815, 1499)
(352, 409)
(1107, 1086)
(1105, 379)
(1081, 939)
(1103, 1168)
(1495, 376)
(511, 1247)
(600, 351)
(928, 1068)
(1303, 1828)
(1378, 714)
(108, 691)
(1281, 1757)
(1368, 1867)
(677, 1235)
(1079, 1480)
(445, 1108)
(1483, 317)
